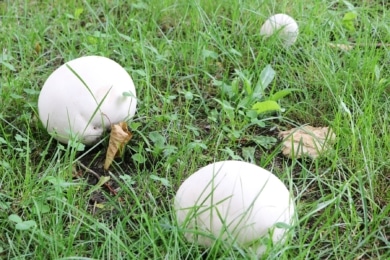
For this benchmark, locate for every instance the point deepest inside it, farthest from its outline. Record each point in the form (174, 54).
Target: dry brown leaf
(350, 46)
(119, 137)
(344, 47)
(37, 48)
(306, 140)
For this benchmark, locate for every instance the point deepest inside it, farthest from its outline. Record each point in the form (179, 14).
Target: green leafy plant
(22, 224)
(245, 104)
(349, 21)
(251, 97)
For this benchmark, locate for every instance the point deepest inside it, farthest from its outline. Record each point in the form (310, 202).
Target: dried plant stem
(97, 176)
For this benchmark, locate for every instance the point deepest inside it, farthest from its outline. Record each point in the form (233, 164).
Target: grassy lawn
(190, 61)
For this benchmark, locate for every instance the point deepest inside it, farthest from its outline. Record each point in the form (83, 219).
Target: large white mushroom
(284, 26)
(81, 98)
(236, 202)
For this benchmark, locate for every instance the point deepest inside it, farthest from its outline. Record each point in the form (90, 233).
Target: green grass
(176, 51)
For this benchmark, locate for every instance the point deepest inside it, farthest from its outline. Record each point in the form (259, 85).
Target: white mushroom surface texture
(83, 97)
(236, 202)
(284, 26)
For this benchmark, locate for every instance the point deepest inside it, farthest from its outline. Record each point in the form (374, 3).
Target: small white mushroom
(234, 201)
(285, 27)
(81, 98)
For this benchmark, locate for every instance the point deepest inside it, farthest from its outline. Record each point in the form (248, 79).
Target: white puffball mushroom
(285, 26)
(233, 201)
(81, 99)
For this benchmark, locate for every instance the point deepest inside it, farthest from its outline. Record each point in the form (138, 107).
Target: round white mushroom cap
(81, 99)
(285, 26)
(233, 201)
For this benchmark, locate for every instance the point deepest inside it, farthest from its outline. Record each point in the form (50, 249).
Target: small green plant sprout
(245, 105)
(252, 100)
(21, 224)
(349, 21)
(6, 60)
(265, 104)
(76, 15)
